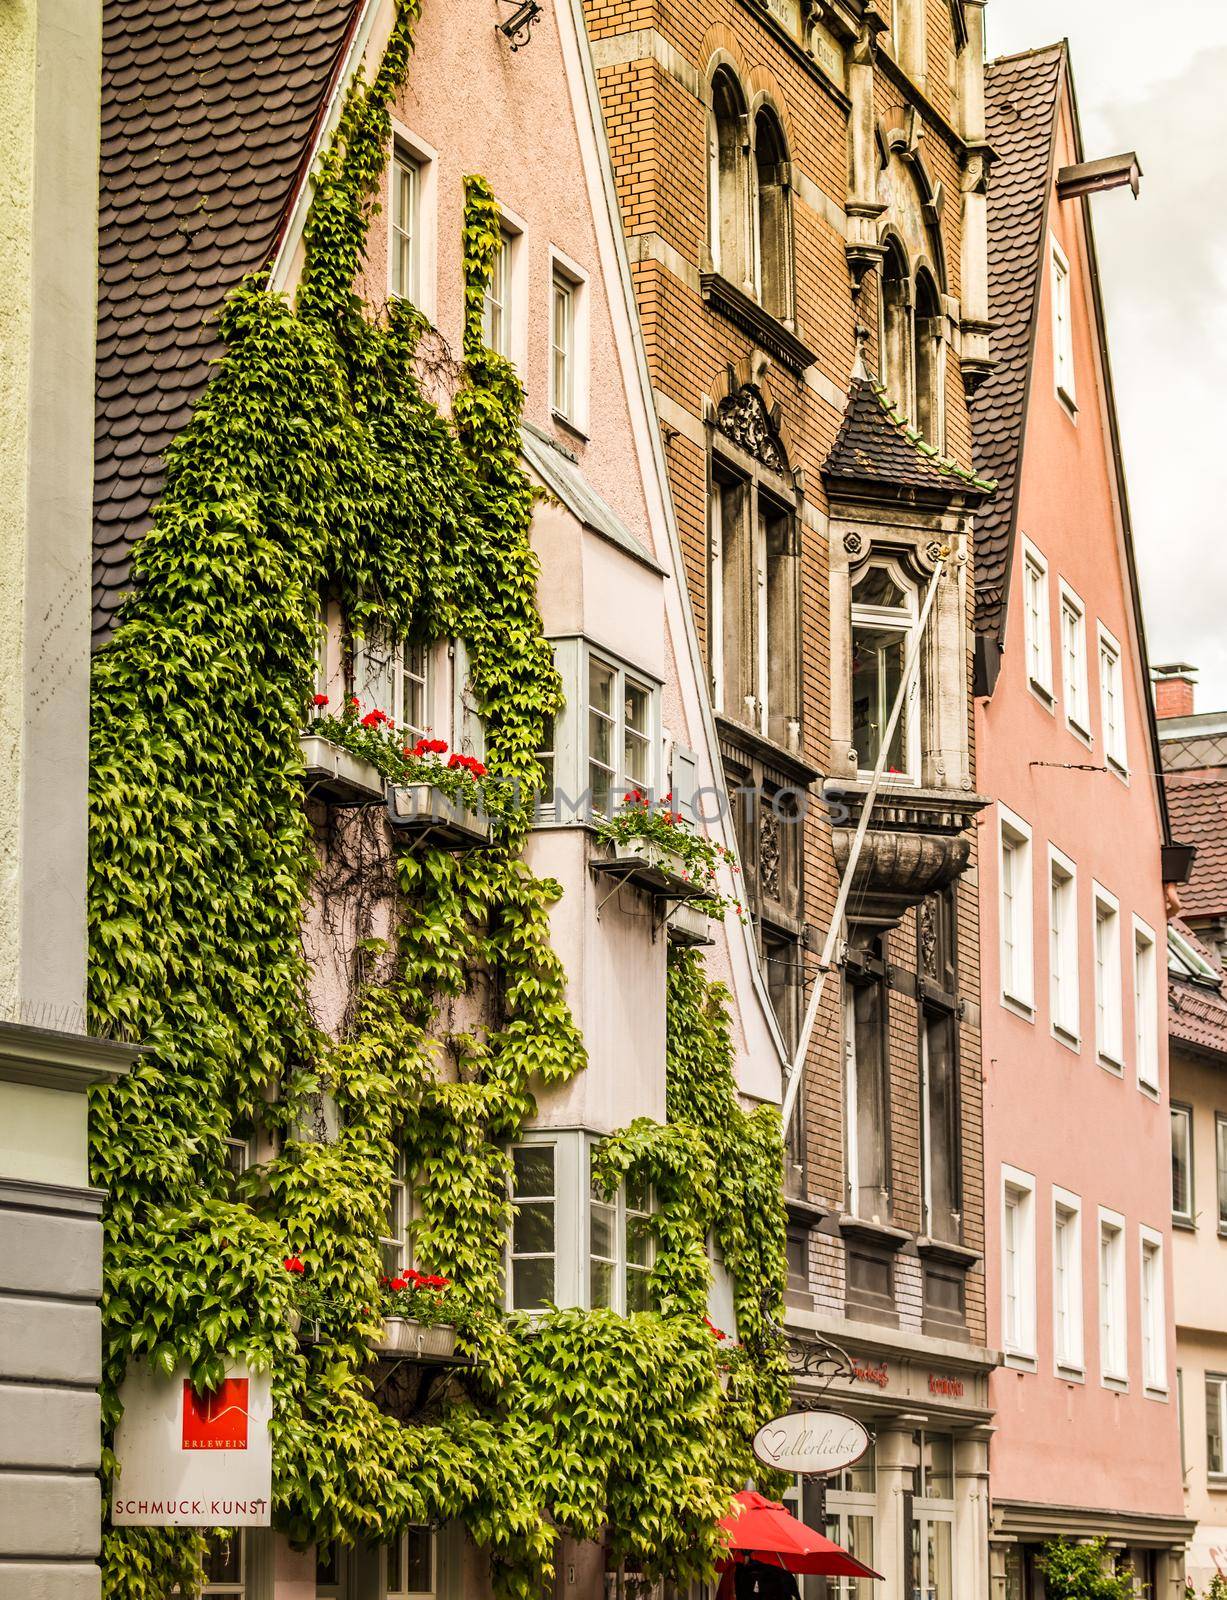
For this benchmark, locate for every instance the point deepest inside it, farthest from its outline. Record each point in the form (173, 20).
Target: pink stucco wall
(1051, 1111)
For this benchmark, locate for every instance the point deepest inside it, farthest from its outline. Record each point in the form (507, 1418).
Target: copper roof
(209, 110)
(876, 446)
(1021, 97)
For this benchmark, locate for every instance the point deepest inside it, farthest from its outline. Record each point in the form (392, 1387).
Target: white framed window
(394, 1242)
(412, 686)
(1067, 1338)
(1063, 984)
(225, 1563)
(1014, 868)
(534, 1249)
(568, 342)
(1216, 1424)
(1145, 1006)
(1073, 663)
(1154, 1312)
(1037, 623)
(498, 307)
(620, 1248)
(405, 227)
(1062, 326)
(883, 620)
(1018, 1266)
(411, 1566)
(1220, 1168)
(621, 734)
(1182, 1164)
(1112, 702)
(1113, 1328)
(1106, 932)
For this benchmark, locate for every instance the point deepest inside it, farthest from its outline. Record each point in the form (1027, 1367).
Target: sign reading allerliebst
(812, 1443)
(191, 1460)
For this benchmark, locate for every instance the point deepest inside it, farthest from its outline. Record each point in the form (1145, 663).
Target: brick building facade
(789, 174)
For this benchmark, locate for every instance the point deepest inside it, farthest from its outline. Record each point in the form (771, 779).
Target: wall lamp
(518, 26)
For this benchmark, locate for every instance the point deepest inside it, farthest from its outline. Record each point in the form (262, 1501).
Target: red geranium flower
(293, 1264)
(374, 719)
(320, 700)
(717, 1334)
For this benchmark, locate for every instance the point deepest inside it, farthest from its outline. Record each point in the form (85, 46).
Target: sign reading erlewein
(191, 1460)
(811, 1442)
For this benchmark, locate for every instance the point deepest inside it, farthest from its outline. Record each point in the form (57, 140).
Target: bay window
(620, 734)
(883, 619)
(605, 741)
(533, 1261)
(620, 1247)
(1113, 1335)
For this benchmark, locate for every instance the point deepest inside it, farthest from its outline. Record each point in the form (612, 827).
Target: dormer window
(883, 617)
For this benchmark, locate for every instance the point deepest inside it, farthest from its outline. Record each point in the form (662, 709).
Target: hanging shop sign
(189, 1460)
(811, 1442)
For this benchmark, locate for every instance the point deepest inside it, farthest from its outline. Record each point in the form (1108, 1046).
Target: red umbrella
(762, 1530)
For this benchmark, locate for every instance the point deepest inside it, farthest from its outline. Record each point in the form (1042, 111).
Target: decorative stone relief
(769, 853)
(853, 544)
(928, 939)
(744, 419)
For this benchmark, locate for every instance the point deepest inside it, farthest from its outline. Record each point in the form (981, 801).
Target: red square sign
(215, 1421)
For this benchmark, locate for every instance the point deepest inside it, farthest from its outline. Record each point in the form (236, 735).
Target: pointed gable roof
(876, 454)
(209, 113)
(1022, 94)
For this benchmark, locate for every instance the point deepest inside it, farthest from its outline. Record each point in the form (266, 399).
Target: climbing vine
(315, 466)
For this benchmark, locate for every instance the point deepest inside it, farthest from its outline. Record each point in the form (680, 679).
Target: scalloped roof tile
(1021, 97)
(875, 445)
(209, 111)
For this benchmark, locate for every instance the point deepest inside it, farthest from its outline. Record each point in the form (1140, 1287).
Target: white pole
(797, 1073)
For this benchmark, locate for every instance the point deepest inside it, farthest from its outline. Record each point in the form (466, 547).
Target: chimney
(1174, 689)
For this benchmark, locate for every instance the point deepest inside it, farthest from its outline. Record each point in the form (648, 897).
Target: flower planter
(418, 809)
(688, 925)
(337, 775)
(402, 1337)
(648, 866)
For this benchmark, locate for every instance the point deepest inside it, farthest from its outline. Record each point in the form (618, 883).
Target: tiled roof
(876, 445)
(1197, 805)
(208, 116)
(1196, 1011)
(1020, 105)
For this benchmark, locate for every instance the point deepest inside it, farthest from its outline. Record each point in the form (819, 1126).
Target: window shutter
(373, 675)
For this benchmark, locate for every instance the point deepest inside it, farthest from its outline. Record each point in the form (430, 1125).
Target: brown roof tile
(1197, 805)
(209, 110)
(875, 446)
(1020, 104)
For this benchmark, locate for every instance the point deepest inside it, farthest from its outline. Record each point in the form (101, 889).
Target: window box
(420, 809)
(689, 925)
(645, 865)
(404, 1337)
(337, 775)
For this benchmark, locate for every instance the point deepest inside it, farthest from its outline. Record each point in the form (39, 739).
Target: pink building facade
(1073, 907)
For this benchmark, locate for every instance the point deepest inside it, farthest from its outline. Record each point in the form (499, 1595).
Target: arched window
(729, 181)
(930, 362)
(773, 215)
(895, 331)
(883, 616)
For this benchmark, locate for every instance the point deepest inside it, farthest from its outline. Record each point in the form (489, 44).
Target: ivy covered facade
(491, 1066)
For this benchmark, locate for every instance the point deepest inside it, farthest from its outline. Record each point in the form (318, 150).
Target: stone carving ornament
(769, 853)
(744, 419)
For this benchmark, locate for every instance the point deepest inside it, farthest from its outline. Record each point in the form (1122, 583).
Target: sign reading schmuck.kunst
(816, 1442)
(189, 1460)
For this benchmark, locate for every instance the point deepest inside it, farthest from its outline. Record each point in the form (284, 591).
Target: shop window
(225, 1563)
(411, 1564)
(1154, 1313)
(1216, 1424)
(850, 1508)
(729, 180)
(1113, 1336)
(620, 1248)
(866, 1077)
(933, 1518)
(755, 619)
(331, 1571)
(883, 620)
(1063, 974)
(1107, 977)
(1067, 1282)
(534, 1228)
(895, 328)
(1145, 1007)
(1018, 1265)
(1182, 1165)
(773, 176)
(930, 362)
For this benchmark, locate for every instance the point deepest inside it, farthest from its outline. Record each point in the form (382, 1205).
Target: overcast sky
(1148, 85)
